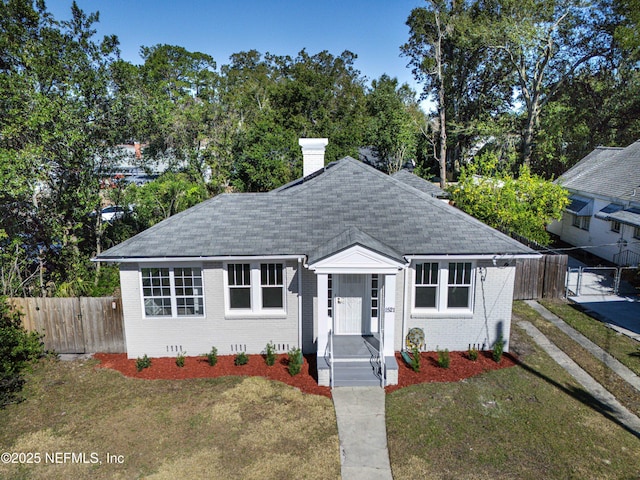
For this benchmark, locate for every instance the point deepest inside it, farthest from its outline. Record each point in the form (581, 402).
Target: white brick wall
(491, 315)
(165, 337)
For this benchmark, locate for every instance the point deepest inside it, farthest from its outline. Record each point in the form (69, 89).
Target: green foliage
(295, 361)
(443, 358)
(171, 193)
(142, 363)
(498, 349)
(472, 353)
(522, 205)
(270, 356)
(19, 350)
(415, 359)
(180, 359)
(241, 359)
(212, 356)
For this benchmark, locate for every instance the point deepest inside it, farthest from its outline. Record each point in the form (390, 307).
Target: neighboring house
(604, 213)
(341, 263)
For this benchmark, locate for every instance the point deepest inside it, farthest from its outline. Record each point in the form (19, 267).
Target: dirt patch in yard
(461, 367)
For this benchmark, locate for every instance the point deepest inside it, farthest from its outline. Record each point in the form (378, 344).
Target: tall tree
(546, 43)
(54, 127)
(393, 127)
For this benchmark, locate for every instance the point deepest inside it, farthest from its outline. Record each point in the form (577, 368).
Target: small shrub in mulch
(306, 380)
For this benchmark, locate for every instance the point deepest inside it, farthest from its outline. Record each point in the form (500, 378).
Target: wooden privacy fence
(543, 277)
(75, 325)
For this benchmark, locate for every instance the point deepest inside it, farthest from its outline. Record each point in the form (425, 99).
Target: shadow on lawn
(582, 396)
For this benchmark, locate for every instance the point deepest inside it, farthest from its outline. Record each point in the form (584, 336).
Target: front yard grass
(624, 349)
(232, 427)
(531, 421)
(619, 346)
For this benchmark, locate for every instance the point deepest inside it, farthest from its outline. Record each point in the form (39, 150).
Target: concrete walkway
(362, 431)
(624, 372)
(610, 405)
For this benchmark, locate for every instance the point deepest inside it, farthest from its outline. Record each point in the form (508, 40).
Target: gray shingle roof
(311, 218)
(610, 172)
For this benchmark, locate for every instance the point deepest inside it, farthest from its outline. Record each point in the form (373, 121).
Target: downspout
(405, 307)
(300, 303)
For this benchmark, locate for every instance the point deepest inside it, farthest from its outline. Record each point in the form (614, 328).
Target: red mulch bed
(197, 367)
(460, 367)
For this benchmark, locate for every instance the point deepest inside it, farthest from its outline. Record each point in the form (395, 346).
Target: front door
(349, 300)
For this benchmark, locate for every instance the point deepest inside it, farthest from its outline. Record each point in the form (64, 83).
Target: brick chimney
(312, 154)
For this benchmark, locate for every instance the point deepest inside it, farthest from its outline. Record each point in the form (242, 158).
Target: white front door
(350, 300)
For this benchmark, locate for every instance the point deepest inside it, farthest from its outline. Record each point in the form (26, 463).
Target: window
(239, 278)
(172, 292)
(615, 226)
(330, 295)
(443, 286)
(426, 285)
(272, 285)
(374, 296)
(255, 288)
(581, 222)
(636, 232)
(459, 285)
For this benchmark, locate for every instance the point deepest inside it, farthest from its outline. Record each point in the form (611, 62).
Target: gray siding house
(604, 213)
(341, 263)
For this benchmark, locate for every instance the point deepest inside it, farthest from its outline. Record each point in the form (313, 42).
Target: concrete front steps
(353, 373)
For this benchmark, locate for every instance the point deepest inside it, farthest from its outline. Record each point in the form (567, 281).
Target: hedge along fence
(75, 325)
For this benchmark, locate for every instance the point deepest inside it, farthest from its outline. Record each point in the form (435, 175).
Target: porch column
(389, 314)
(324, 322)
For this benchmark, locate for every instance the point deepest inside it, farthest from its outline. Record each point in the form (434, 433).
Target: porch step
(352, 374)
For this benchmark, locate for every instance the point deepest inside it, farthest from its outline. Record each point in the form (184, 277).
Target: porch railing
(381, 358)
(331, 358)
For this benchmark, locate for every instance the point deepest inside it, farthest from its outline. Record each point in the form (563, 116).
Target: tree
(546, 43)
(430, 28)
(467, 80)
(393, 131)
(54, 90)
(19, 349)
(523, 205)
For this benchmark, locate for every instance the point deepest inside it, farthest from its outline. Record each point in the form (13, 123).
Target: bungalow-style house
(341, 263)
(604, 211)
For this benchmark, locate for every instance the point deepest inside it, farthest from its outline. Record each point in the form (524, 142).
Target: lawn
(527, 422)
(624, 349)
(226, 428)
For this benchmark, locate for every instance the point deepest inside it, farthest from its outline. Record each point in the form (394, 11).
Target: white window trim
(442, 291)
(172, 288)
(256, 309)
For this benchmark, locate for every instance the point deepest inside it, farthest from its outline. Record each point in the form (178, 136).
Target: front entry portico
(356, 290)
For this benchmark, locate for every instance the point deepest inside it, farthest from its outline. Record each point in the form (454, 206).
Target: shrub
(415, 359)
(498, 349)
(142, 363)
(295, 361)
(241, 359)
(443, 358)
(270, 357)
(212, 356)
(180, 359)
(473, 354)
(19, 350)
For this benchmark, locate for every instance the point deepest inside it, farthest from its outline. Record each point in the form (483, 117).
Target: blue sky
(372, 29)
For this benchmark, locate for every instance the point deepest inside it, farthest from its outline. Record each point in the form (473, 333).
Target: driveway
(595, 297)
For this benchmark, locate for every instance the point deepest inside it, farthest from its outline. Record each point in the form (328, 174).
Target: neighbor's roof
(419, 183)
(610, 172)
(347, 203)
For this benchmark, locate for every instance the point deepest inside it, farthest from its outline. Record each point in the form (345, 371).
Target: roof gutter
(222, 258)
(496, 257)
